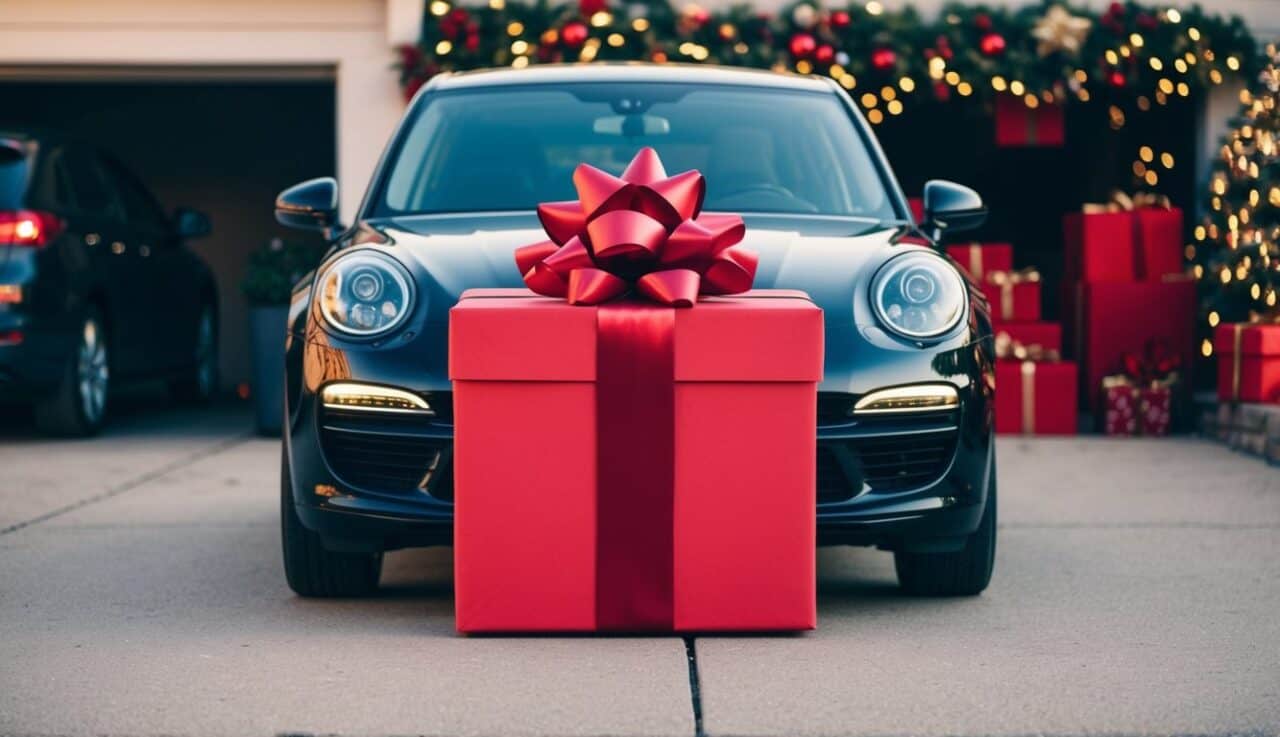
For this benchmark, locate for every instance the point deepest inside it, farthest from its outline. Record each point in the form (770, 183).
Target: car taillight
(29, 227)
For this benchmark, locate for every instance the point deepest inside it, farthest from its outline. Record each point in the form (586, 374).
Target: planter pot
(267, 326)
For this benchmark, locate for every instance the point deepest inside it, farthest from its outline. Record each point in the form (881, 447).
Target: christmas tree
(1237, 246)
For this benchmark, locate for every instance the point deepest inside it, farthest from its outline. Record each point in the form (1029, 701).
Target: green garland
(1236, 248)
(1053, 52)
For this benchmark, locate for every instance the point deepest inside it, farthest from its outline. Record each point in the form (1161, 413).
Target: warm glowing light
(1233, 63)
(439, 7)
(965, 89)
(520, 47)
(601, 18)
(640, 25)
(515, 28)
(874, 8)
(998, 84)
(1206, 348)
(1146, 154)
(497, 4)
(888, 93)
(952, 78)
(1166, 160)
(1017, 88)
(907, 84)
(444, 47)
(894, 107)
(1155, 63)
(868, 100)
(1135, 40)
(1172, 15)
(616, 39)
(804, 67)
(1214, 318)
(876, 117)
(1193, 33)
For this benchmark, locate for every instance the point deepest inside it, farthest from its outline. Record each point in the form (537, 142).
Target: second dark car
(96, 285)
(905, 459)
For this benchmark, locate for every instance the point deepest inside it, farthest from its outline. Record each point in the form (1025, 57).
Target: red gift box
(1120, 409)
(1019, 125)
(1047, 336)
(1110, 320)
(598, 447)
(1012, 298)
(981, 258)
(1036, 397)
(1133, 245)
(1248, 362)
(1155, 410)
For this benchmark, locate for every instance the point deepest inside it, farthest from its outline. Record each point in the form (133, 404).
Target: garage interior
(221, 141)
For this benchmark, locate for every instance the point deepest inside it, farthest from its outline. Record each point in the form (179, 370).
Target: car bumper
(339, 502)
(33, 355)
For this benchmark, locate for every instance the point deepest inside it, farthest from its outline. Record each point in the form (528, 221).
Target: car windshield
(762, 150)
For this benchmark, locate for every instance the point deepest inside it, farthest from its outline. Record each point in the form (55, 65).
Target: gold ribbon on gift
(1028, 397)
(1125, 202)
(1237, 341)
(1006, 280)
(975, 260)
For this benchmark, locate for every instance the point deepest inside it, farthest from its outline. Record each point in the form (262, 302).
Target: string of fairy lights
(887, 59)
(1236, 249)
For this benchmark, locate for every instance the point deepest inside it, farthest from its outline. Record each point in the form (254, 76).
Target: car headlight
(365, 293)
(918, 295)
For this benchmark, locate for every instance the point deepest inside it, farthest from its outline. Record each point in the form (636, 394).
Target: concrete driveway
(1137, 591)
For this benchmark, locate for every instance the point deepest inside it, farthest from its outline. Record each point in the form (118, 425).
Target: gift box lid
(1255, 339)
(516, 335)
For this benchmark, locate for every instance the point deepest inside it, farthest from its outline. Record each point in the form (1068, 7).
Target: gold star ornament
(1060, 31)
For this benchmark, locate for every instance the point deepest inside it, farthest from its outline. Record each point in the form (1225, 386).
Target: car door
(169, 291)
(108, 240)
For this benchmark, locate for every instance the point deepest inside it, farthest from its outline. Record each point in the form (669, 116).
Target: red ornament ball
(1116, 9)
(574, 34)
(883, 59)
(1117, 78)
(992, 44)
(802, 45)
(824, 53)
(589, 8)
(840, 19)
(982, 22)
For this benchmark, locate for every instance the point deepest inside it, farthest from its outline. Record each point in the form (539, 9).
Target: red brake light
(29, 227)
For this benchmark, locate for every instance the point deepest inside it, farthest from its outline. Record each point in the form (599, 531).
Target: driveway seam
(1139, 526)
(695, 686)
(131, 484)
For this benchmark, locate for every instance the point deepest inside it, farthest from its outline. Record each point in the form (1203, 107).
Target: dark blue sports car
(905, 459)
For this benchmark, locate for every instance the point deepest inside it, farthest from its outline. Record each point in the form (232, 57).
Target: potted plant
(268, 283)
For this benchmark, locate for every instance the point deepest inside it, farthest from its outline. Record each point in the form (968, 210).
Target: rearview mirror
(951, 207)
(191, 223)
(311, 205)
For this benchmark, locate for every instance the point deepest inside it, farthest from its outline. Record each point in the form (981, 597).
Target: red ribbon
(642, 231)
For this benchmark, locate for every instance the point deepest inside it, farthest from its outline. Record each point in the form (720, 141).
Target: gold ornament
(1060, 31)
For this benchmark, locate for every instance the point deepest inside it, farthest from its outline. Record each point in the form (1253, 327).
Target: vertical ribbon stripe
(1028, 397)
(1033, 126)
(635, 462)
(975, 261)
(1237, 340)
(1006, 300)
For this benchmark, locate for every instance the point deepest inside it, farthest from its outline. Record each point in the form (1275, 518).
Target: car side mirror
(310, 205)
(191, 223)
(951, 207)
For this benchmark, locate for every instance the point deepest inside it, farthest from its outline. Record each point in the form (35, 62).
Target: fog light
(373, 398)
(917, 398)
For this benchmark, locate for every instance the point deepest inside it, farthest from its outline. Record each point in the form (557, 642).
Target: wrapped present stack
(1125, 294)
(1247, 413)
(1037, 389)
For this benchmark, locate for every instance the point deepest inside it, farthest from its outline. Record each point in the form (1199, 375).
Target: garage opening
(224, 144)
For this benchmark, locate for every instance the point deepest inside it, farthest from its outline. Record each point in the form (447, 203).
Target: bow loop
(643, 231)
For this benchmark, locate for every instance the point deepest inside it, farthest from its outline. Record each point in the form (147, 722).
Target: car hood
(832, 259)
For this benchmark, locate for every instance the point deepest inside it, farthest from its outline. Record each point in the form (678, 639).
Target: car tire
(199, 380)
(965, 572)
(311, 569)
(78, 406)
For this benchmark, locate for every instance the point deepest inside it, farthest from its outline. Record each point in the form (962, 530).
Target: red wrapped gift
(1036, 397)
(1128, 240)
(1013, 295)
(1045, 336)
(1111, 320)
(610, 515)
(1248, 362)
(1155, 410)
(1120, 409)
(979, 259)
(1020, 125)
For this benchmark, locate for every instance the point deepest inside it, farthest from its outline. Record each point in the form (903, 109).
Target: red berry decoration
(825, 53)
(941, 91)
(473, 41)
(982, 22)
(1116, 9)
(589, 8)
(1147, 21)
(1116, 78)
(992, 44)
(840, 19)
(883, 59)
(574, 34)
(802, 45)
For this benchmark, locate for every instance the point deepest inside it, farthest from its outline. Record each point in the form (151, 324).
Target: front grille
(387, 453)
(405, 454)
(886, 454)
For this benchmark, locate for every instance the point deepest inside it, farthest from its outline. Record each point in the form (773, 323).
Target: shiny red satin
(642, 232)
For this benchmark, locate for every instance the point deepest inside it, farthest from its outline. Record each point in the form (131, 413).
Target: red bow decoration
(643, 230)
(1157, 364)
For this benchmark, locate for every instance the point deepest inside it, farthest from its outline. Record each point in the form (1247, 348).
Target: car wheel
(965, 572)
(78, 407)
(200, 380)
(310, 569)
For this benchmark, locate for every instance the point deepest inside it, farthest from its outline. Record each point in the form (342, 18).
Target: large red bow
(643, 230)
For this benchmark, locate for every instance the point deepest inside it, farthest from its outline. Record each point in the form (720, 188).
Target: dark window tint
(14, 170)
(140, 207)
(89, 182)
